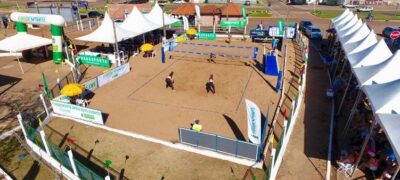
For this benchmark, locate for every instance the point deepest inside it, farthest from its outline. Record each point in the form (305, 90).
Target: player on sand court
(212, 58)
(210, 84)
(170, 81)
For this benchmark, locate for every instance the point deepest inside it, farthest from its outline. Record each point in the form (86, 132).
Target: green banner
(207, 36)
(45, 87)
(233, 23)
(244, 13)
(94, 60)
(281, 25)
(177, 24)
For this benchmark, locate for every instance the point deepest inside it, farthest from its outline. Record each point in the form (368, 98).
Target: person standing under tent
(274, 43)
(210, 84)
(170, 81)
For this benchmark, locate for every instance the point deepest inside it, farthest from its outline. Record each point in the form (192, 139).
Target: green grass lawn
(260, 14)
(363, 15)
(7, 5)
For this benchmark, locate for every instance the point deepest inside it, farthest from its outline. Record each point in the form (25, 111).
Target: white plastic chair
(345, 168)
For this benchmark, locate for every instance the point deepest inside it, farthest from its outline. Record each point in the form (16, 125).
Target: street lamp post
(163, 23)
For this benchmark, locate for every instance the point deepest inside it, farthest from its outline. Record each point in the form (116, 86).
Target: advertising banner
(94, 60)
(244, 13)
(281, 25)
(258, 33)
(253, 122)
(206, 35)
(91, 84)
(233, 23)
(273, 31)
(113, 74)
(78, 112)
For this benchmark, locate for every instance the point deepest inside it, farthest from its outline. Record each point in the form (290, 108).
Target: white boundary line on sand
(178, 146)
(3, 173)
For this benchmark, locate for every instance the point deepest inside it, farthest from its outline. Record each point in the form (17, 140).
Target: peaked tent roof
(186, 9)
(356, 34)
(367, 42)
(384, 98)
(341, 16)
(136, 22)
(391, 125)
(344, 20)
(350, 28)
(155, 16)
(372, 56)
(23, 41)
(383, 72)
(105, 33)
(357, 46)
(348, 24)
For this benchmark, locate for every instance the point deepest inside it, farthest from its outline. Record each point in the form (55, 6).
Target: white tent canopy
(136, 22)
(349, 29)
(348, 24)
(371, 56)
(384, 98)
(155, 16)
(23, 41)
(362, 44)
(344, 20)
(362, 30)
(340, 17)
(381, 73)
(105, 33)
(391, 125)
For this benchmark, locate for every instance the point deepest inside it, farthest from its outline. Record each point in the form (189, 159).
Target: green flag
(244, 13)
(108, 163)
(281, 25)
(46, 88)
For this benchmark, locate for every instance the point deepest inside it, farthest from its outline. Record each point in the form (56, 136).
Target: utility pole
(58, 7)
(163, 23)
(227, 10)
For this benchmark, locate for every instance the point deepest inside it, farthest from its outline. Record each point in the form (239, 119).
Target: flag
(253, 122)
(197, 8)
(70, 141)
(46, 89)
(40, 122)
(244, 13)
(281, 25)
(272, 140)
(108, 163)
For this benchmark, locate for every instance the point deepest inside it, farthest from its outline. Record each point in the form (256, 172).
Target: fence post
(44, 104)
(214, 28)
(77, 25)
(46, 146)
(19, 117)
(90, 24)
(285, 123)
(272, 168)
(71, 159)
(80, 22)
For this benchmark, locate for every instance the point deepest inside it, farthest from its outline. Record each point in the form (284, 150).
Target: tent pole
(397, 171)
(116, 45)
(336, 57)
(20, 66)
(363, 147)
(353, 110)
(344, 95)
(342, 69)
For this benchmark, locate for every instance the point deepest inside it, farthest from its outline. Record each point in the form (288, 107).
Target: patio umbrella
(191, 31)
(146, 47)
(72, 89)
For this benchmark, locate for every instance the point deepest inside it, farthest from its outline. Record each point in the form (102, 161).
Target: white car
(365, 9)
(179, 1)
(349, 6)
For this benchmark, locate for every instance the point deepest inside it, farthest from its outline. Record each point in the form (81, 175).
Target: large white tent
(136, 22)
(340, 17)
(381, 73)
(345, 26)
(344, 20)
(21, 42)
(349, 29)
(366, 43)
(356, 36)
(384, 98)
(391, 126)
(371, 56)
(358, 39)
(105, 33)
(156, 16)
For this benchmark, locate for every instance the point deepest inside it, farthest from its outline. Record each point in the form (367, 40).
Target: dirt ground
(139, 101)
(147, 160)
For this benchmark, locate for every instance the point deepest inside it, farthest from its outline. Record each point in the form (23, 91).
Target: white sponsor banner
(113, 74)
(197, 8)
(253, 122)
(185, 23)
(78, 112)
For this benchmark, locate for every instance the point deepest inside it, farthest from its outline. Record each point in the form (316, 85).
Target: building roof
(234, 9)
(210, 9)
(117, 11)
(186, 9)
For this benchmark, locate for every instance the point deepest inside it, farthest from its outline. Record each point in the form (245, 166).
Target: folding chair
(345, 168)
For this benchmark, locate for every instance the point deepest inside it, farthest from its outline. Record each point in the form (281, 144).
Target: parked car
(313, 32)
(349, 6)
(179, 1)
(365, 9)
(388, 30)
(247, 3)
(5, 20)
(303, 24)
(95, 14)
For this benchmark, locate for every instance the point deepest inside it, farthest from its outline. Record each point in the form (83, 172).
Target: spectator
(210, 84)
(197, 126)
